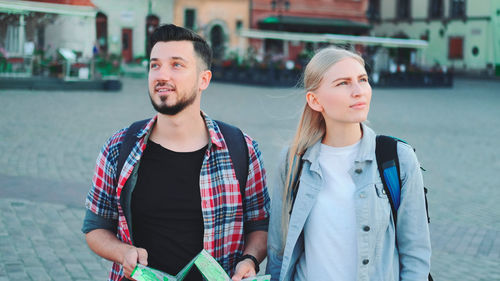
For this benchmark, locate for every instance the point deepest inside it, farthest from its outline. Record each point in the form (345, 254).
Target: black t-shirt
(167, 218)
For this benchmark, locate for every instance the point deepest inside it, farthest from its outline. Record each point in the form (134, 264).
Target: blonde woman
(330, 217)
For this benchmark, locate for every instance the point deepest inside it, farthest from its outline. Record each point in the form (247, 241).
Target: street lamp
(280, 6)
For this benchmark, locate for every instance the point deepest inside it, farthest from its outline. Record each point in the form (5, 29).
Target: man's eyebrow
(174, 58)
(179, 58)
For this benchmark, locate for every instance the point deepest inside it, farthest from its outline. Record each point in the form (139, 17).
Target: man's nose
(161, 73)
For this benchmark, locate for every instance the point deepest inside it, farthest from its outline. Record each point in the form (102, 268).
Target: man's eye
(176, 64)
(342, 83)
(364, 79)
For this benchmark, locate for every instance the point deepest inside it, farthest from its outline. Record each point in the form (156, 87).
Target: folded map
(206, 264)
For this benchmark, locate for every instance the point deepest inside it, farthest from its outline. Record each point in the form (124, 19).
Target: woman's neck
(341, 135)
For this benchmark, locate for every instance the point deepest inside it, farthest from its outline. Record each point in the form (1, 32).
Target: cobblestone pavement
(49, 142)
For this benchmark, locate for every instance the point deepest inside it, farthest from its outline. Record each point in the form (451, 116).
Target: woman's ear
(313, 102)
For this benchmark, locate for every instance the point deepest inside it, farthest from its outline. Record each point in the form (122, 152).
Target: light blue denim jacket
(379, 257)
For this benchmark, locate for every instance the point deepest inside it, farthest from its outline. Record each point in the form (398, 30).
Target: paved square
(49, 142)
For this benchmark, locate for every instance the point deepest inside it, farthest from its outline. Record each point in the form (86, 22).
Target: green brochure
(206, 264)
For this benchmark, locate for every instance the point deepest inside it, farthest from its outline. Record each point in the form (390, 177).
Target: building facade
(119, 27)
(218, 21)
(301, 16)
(123, 27)
(462, 34)
(29, 26)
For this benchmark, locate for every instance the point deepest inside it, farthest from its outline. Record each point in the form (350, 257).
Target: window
(373, 12)
(436, 9)
(456, 48)
(403, 9)
(457, 9)
(189, 18)
(239, 25)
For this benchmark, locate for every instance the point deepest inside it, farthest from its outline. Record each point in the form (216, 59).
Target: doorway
(152, 23)
(127, 44)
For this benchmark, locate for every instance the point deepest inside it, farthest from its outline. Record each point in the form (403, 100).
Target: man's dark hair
(171, 32)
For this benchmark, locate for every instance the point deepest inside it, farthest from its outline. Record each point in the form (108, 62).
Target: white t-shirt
(330, 234)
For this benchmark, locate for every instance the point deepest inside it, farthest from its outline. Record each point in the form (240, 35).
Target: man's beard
(163, 108)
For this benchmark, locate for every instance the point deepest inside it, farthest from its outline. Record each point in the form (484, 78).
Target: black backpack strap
(238, 151)
(386, 152)
(128, 143)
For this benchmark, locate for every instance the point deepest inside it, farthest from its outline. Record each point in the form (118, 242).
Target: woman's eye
(342, 83)
(153, 65)
(364, 79)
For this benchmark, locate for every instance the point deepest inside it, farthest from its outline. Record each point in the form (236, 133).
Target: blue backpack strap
(128, 143)
(388, 166)
(238, 151)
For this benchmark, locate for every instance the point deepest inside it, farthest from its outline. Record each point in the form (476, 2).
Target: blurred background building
(463, 35)
(301, 16)
(218, 21)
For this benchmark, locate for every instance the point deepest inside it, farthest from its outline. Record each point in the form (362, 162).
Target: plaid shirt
(221, 200)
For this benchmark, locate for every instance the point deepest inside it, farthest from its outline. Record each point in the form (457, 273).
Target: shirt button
(365, 261)
(366, 228)
(362, 195)
(358, 171)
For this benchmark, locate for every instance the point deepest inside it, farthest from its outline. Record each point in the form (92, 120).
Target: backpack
(234, 138)
(386, 152)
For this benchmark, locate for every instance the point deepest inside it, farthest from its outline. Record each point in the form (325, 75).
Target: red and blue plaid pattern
(220, 194)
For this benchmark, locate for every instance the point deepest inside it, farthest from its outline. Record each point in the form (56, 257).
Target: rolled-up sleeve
(101, 201)
(257, 202)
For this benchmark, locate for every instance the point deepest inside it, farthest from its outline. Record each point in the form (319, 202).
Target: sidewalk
(42, 241)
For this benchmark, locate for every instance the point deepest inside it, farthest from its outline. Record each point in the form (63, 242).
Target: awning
(290, 23)
(334, 38)
(20, 7)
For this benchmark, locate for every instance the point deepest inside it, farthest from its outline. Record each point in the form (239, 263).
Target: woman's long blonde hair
(311, 126)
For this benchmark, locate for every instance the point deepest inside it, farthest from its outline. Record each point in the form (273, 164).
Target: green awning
(311, 23)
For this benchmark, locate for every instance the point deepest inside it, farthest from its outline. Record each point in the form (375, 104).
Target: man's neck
(183, 132)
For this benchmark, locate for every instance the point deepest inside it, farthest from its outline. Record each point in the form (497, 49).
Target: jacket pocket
(382, 206)
(379, 187)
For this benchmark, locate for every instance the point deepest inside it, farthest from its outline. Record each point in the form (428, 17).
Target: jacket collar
(366, 149)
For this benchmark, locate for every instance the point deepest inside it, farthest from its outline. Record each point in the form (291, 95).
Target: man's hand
(244, 269)
(130, 259)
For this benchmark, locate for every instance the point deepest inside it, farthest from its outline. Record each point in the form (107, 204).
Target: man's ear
(313, 102)
(205, 77)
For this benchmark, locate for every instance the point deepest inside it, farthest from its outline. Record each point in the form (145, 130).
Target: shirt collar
(214, 132)
(147, 129)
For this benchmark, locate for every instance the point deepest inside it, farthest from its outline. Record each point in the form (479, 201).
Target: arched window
(101, 25)
(217, 41)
